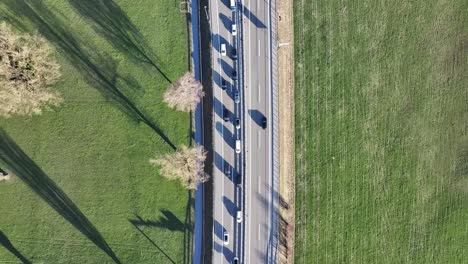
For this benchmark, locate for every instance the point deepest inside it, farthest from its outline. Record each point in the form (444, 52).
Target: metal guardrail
(274, 241)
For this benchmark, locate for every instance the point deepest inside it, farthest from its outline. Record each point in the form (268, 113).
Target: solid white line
(270, 127)
(259, 229)
(250, 152)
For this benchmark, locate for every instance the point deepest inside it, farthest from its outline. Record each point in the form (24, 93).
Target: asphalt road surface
(248, 240)
(258, 162)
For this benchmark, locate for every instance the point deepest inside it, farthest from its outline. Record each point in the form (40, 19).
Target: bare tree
(27, 71)
(186, 165)
(184, 94)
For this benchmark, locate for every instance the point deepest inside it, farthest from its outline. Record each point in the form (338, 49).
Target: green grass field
(95, 148)
(381, 131)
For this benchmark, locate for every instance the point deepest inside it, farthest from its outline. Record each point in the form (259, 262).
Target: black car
(227, 169)
(226, 115)
(234, 53)
(264, 122)
(238, 178)
(223, 84)
(234, 75)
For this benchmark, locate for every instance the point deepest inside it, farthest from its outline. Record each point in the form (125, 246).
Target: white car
(238, 146)
(223, 49)
(233, 4)
(226, 238)
(234, 29)
(239, 217)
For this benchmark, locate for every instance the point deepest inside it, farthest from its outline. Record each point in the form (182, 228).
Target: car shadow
(227, 135)
(227, 22)
(230, 88)
(219, 109)
(226, 67)
(253, 18)
(221, 163)
(218, 40)
(217, 80)
(218, 229)
(226, 3)
(230, 206)
(256, 116)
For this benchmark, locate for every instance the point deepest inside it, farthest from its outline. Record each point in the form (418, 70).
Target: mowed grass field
(381, 131)
(94, 149)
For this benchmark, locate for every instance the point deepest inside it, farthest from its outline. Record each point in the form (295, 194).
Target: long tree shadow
(32, 175)
(169, 221)
(151, 241)
(97, 67)
(5, 242)
(188, 228)
(111, 22)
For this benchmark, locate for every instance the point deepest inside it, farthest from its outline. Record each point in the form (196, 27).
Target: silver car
(236, 97)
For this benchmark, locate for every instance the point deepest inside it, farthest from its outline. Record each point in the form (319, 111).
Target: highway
(249, 240)
(257, 150)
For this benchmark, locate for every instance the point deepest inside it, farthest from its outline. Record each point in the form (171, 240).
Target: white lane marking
(258, 48)
(259, 186)
(259, 98)
(259, 231)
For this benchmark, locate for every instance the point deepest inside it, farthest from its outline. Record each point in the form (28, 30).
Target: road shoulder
(286, 129)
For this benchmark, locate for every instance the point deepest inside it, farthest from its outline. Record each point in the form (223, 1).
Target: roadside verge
(286, 129)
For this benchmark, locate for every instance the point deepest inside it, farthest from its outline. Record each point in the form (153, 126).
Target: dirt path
(286, 129)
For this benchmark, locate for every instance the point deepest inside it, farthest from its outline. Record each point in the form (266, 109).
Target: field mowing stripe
(302, 124)
(303, 130)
